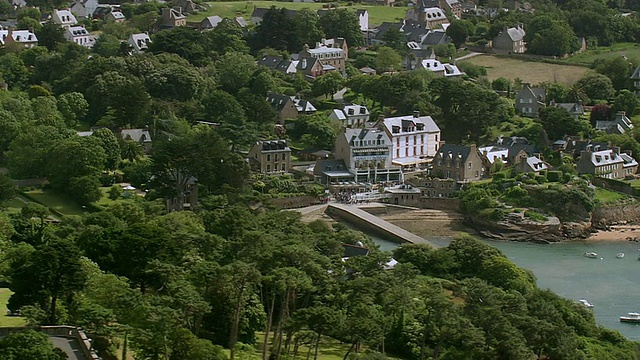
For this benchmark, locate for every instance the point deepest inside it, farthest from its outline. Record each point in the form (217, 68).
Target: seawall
(368, 222)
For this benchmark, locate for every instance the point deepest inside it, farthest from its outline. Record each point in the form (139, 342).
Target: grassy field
(630, 50)
(609, 197)
(377, 14)
(57, 202)
(7, 321)
(528, 71)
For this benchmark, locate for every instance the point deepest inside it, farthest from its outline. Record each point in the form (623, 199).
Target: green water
(611, 284)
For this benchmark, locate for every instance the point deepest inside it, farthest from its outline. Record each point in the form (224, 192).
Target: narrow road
(69, 346)
(469, 55)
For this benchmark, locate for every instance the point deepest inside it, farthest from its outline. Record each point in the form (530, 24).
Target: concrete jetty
(363, 219)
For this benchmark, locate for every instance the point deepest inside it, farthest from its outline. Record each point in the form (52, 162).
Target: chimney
(416, 113)
(381, 117)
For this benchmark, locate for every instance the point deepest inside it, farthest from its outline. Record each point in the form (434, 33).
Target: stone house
(530, 164)
(433, 187)
(460, 163)
(84, 8)
(141, 136)
(367, 155)
(619, 125)
(529, 100)
(78, 35)
(575, 109)
(270, 157)
(635, 79)
(609, 163)
(172, 17)
(290, 107)
(332, 55)
(64, 18)
(510, 40)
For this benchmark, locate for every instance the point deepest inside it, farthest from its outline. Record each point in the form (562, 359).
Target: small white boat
(632, 317)
(591, 254)
(585, 303)
(620, 255)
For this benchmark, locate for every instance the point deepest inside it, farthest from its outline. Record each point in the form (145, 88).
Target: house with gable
(635, 78)
(84, 9)
(460, 163)
(530, 164)
(139, 42)
(210, 22)
(415, 138)
(172, 17)
(79, 35)
(367, 155)
(508, 150)
(510, 40)
(330, 53)
(115, 16)
(609, 163)
(363, 19)
(277, 63)
(529, 100)
(270, 157)
(24, 38)
(352, 116)
(290, 107)
(141, 136)
(431, 13)
(64, 18)
(619, 125)
(575, 109)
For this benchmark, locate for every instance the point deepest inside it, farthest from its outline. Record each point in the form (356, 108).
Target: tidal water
(611, 284)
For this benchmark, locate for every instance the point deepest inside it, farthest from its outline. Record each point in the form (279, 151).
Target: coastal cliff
(514, 229)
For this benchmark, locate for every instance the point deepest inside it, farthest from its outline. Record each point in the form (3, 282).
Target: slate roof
(636, 74)
(275, 145)
(427, 121)
(516, 33)
(366, 134)
(137, 135)
(435, 37)
(270, 61)
(454, 151)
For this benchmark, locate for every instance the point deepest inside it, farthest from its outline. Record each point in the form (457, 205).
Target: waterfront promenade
(361, 218)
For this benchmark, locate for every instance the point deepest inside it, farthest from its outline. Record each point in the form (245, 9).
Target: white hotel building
(415, 139)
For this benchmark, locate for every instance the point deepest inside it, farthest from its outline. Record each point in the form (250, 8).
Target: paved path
(381, 225)
(310, 209)
(471, 54)
(69, 346)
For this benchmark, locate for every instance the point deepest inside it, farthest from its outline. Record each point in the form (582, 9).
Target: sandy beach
(617, 233)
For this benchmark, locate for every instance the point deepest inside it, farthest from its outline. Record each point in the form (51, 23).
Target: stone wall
(295, 202)
(613, 215)
(440, 204)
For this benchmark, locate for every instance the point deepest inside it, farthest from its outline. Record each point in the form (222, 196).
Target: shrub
(115, 192)
(535, 216)
(554, 176)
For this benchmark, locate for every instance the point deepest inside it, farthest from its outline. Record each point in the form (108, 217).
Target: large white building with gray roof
(415, 138)
(367, 154)
(352, 116)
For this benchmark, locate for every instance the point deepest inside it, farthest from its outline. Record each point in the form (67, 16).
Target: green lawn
(55, 201)
(377, 14)
(609, 197)
(630, 50)
(14, 205)
(8, 321)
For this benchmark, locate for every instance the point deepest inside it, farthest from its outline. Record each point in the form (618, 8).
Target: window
(283, 167)
(284, 157)
(268, 157)
(268, 167)
(477, 174)
(469, 166)
(275, 157)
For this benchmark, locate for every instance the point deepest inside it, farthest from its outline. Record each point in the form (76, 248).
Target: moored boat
(620, 255)
(632, 317)
(586, 303)
(591, 254)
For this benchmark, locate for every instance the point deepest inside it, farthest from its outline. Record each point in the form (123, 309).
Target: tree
(546, 36)
(617, 69)
(51, 272)
(13, 71)
(315, 131)
(10, 127)
(50, 35)
(7, 188)
(108, 143)
(73, 107)
(596, 87)
(395, 39)
(557, 92)
(626, 101)
(501, 84)
(328, 84)
(306, 21)
(278, 31)
(28, 154)
(235, 71)
(107, 45)
(342, 23)
(131, 150)
(227, 37)
(558, 122)
(459, 31)
(29, 344)
(84, 190)
(187, 42)
(124, 99)
(388, 60)
(75, 158)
